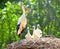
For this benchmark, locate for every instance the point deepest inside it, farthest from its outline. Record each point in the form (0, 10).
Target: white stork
(38, 32)
(28, 35)
(33, 35)
(22, 21)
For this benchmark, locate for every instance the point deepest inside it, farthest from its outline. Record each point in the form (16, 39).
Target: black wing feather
(17, 28)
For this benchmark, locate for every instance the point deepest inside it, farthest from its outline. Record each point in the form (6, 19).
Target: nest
(42, 43)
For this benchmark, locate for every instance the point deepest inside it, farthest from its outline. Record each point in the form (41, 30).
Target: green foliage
(8, 19)
(43, 12)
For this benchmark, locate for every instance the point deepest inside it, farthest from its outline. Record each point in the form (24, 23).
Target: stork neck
(28, 31)
(23, 11)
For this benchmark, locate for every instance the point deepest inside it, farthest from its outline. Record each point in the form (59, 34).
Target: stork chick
(22, 21)
(33, 35)
(28, 35)
(38, 32)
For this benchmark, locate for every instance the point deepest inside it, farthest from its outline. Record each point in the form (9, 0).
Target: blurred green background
(43, 12)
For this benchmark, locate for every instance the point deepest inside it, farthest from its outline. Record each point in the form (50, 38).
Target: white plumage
(38, 32)
(28, 35)
(33, 35)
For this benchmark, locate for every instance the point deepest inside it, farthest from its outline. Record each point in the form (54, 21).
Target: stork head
(37, 25)
(25, 8)
(28, 28)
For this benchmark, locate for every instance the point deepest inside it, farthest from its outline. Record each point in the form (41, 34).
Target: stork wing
(21, 26)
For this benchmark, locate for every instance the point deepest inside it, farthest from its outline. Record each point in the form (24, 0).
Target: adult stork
(22, 21)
